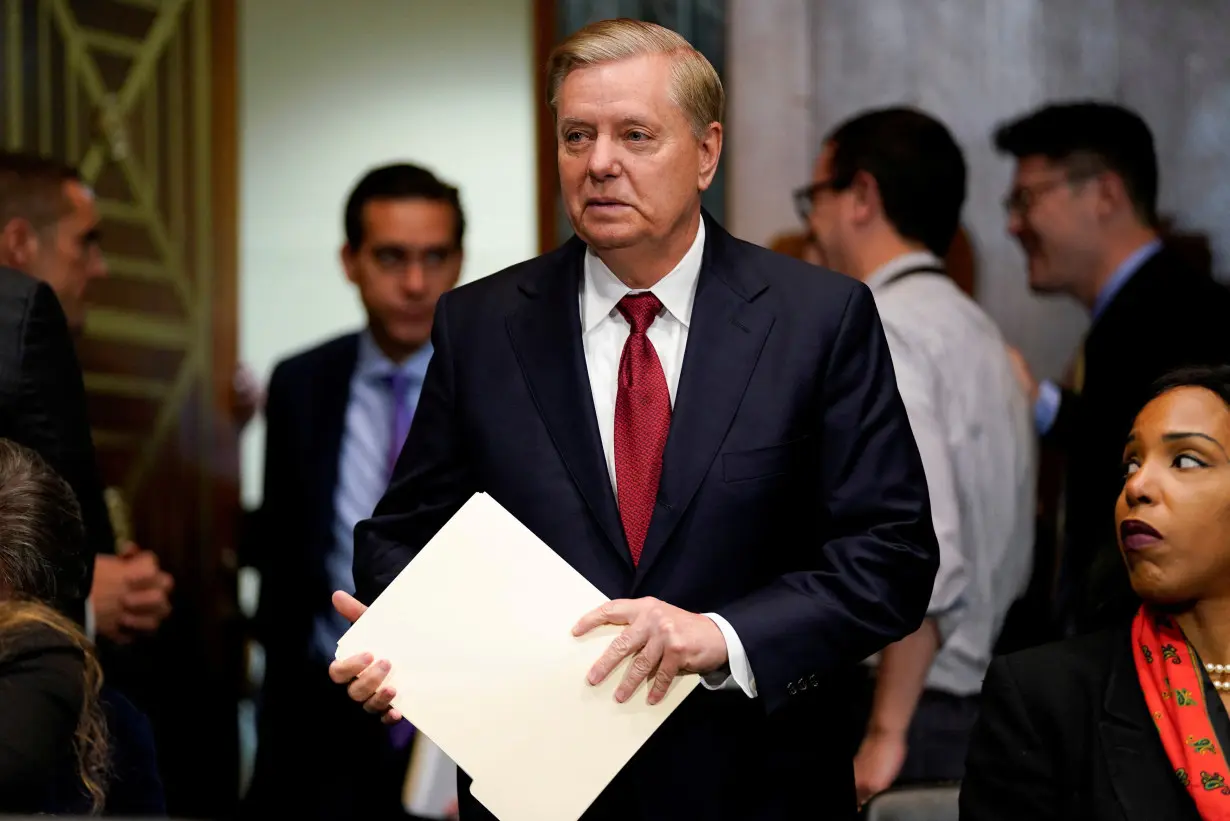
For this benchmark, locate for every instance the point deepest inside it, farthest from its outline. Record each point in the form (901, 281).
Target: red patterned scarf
(1173, 684)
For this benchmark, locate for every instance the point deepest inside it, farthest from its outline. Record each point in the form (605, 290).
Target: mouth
(604, 202)
(1136, 535)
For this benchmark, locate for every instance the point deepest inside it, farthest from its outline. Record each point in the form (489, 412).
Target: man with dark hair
(336, 417)
(1083, 207)
(49, 253)
(884, 206)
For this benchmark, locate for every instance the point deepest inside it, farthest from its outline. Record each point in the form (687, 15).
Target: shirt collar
(890, 269)
(1123, 273)
(602, 290)
(373, 364)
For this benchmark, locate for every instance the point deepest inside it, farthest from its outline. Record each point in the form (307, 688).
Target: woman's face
(1173, 516)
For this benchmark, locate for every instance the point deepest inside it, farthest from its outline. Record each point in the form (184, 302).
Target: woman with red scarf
(1131, 723)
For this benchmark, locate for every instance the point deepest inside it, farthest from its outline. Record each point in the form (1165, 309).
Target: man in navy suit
(709, 432)
(336, 418)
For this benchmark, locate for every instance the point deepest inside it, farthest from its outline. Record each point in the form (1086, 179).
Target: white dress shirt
(972, 423)
(603, 333)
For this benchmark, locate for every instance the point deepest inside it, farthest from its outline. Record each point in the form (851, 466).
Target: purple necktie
(399, 385)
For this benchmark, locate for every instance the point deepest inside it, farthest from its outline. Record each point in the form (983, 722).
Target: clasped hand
(666, 641)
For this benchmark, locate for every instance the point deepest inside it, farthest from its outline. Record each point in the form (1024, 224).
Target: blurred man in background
(49, 254)
(884, 206)
(1083, 207)
(336, 418)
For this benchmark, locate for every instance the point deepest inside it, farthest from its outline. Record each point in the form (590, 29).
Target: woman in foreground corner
(1131, 723)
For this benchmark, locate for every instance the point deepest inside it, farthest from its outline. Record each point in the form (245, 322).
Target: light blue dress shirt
(362, 471)
(1049, 394)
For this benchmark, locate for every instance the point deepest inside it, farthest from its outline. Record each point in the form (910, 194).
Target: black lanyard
(909, 272)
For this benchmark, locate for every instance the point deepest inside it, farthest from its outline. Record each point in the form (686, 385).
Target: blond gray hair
(695, 85)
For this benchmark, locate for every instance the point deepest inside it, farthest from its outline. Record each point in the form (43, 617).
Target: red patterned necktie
(642, 421)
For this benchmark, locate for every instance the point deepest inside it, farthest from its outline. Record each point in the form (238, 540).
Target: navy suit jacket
(43, 406)
(792, 502)
(291, 534)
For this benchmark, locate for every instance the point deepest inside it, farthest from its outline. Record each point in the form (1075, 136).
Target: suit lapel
(331, 389)
(726, 335)
(1140, 772)
(546, 336)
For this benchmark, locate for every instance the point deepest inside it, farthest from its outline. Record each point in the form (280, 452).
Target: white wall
(329, 89)
(796, 68)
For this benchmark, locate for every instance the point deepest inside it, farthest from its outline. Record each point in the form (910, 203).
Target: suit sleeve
(1008, 775)
(52, 420)
(427, 488)
(872, 558)
(42, 690)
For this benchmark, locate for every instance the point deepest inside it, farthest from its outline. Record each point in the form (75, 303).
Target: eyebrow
(1178, 435)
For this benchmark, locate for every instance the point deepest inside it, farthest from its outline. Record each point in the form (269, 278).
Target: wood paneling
(140, 95)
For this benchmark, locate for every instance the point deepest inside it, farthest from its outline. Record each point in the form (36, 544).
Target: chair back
(922, 803)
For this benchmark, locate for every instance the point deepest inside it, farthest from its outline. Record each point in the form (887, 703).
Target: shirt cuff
(737, 674)
(1046, 407)
(89, 617)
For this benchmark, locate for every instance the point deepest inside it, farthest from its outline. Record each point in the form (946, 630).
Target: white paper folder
(478, 629)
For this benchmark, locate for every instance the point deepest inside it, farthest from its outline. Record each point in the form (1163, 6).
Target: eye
(1130, 467)
(637, 136)
(573, 136)
(1185, 461)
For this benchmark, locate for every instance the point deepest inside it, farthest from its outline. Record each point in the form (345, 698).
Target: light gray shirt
(974, 429)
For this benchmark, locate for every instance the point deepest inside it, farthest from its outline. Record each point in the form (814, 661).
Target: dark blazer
(792, 502)
(305, 414)
(43, 406)
(1166, 316)
(42, 688)
(1064, 733)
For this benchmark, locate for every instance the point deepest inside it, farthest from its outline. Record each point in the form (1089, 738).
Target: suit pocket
(761, 463)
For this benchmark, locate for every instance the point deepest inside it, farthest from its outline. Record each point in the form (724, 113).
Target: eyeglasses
(805, 197)
(1022, 198)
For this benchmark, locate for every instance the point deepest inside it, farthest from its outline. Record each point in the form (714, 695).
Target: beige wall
(798, 67)
(331, 88)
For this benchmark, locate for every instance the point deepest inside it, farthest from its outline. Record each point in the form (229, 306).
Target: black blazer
(792, 502)
(292, 533)
(43, 406)
(42, 688)
(1064, 733)
(1166, 316)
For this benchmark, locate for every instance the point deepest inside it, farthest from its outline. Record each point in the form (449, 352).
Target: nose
(1016, 223)
(603, 159)
(414, 280)
(1140, 488)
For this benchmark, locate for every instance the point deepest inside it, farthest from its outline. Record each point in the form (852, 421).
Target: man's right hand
(362, 674)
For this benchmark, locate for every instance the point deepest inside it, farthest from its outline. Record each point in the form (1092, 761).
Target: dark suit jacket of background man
(1165, 316)
(792, 501)
(43, 406)
(288, 540)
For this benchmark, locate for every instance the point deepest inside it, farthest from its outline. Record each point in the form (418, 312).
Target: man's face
(67, 256)
(408, 258)
(630, 167)
(830, 215)
(1055, 220)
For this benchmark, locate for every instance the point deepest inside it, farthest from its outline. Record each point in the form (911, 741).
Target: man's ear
(18, 244)
(349, 263)
(866, 196)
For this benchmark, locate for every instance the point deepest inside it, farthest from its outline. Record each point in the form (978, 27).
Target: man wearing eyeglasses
(336, 418)
(1083, 206)
(884, 208)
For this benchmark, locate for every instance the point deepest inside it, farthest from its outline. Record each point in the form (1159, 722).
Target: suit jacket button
(802, 685)
(790, 689)
(812, 679)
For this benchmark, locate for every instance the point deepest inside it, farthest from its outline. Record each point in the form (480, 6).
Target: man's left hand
(878, 763)
(667, 641)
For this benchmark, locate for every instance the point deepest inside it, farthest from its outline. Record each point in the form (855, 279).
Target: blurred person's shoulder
(306, 363)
